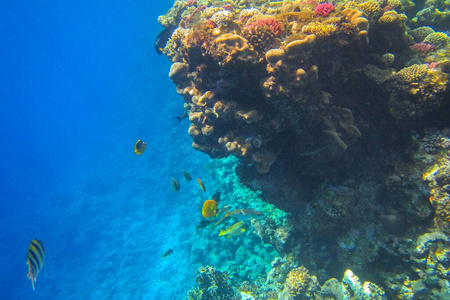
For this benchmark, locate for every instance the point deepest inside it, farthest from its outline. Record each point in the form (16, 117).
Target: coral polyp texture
(337, 113)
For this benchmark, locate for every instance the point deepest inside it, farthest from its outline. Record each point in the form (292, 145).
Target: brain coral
(411, 74)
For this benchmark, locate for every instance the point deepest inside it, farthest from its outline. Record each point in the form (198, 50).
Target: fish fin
(222, 232)
(227, 214)
(33, 280)
(242, 229)
(228, 236)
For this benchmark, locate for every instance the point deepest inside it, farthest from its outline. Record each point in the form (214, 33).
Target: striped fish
(35, 259)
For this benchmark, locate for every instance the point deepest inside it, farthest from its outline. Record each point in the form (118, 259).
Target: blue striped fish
(35, 259)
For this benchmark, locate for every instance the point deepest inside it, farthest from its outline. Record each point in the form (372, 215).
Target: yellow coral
(297, 280)
(357, 18)
(298, 47)
(319, 29)
(411, 74)
(392, 16)
(438, 39)
(371, 8)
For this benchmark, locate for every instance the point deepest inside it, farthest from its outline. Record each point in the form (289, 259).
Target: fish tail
(227, 214)
(222, 232)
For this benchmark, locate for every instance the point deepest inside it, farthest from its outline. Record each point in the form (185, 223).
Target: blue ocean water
(80, 83)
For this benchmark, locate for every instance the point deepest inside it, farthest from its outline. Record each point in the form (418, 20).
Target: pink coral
(324, 9)
(423, 48)
(272, 24)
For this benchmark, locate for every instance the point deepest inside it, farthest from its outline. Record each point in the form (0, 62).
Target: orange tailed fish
(186, 175)
(139, 147)
(35, 260)
(202, 185)
(236, 229)
(175, 185)
(209, 209)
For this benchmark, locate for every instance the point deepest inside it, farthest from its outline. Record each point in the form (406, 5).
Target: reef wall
(337, 112)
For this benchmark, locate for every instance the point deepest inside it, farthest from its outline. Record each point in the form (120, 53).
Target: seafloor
(332, 120)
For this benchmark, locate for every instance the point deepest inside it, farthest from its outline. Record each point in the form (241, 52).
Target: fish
(225, 208)
(175, 185)
(182, 116)
(236, 229)
(186, 175)
(244, 214)
(163, 37)
(167, 253)
(224, 218)
(209, 209)
(202, 185)
(139, 147)
(35, 260)
(216, 196)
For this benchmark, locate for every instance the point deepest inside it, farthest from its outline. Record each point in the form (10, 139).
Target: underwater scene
(236, 149)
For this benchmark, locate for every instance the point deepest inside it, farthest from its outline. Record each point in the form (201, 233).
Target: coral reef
(336, 114)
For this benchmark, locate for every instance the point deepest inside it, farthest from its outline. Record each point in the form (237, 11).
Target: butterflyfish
(236, 229)
(175, 185)
(209, 209)
(139, 147)
(202, 185)
(35, 260)
(186, 175)
(216, 196)
(167, 253)
(244, 214)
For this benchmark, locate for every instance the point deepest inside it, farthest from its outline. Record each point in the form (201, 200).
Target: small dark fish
(202, 185)
(35, 259)
(175, 185)
(186, 175)
(139, 147)
(167, 253)
(182, 116)
(216, 196)
(163, 37)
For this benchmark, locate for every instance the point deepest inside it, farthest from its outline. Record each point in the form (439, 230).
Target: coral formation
(327, 109)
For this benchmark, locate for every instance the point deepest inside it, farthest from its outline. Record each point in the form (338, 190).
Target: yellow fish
(175, 185)
(209, 209)
(35, 260)
(139, 147)
(236, 229)
(202, 185)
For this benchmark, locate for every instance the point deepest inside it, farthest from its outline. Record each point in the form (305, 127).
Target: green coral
(421, 33)
(438, 39)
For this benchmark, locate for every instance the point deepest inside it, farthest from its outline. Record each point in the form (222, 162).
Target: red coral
(191, 2)
(272, 24)
(324, 9)
(423, 48)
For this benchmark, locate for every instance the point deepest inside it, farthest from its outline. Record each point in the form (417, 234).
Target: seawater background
(80, 82)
